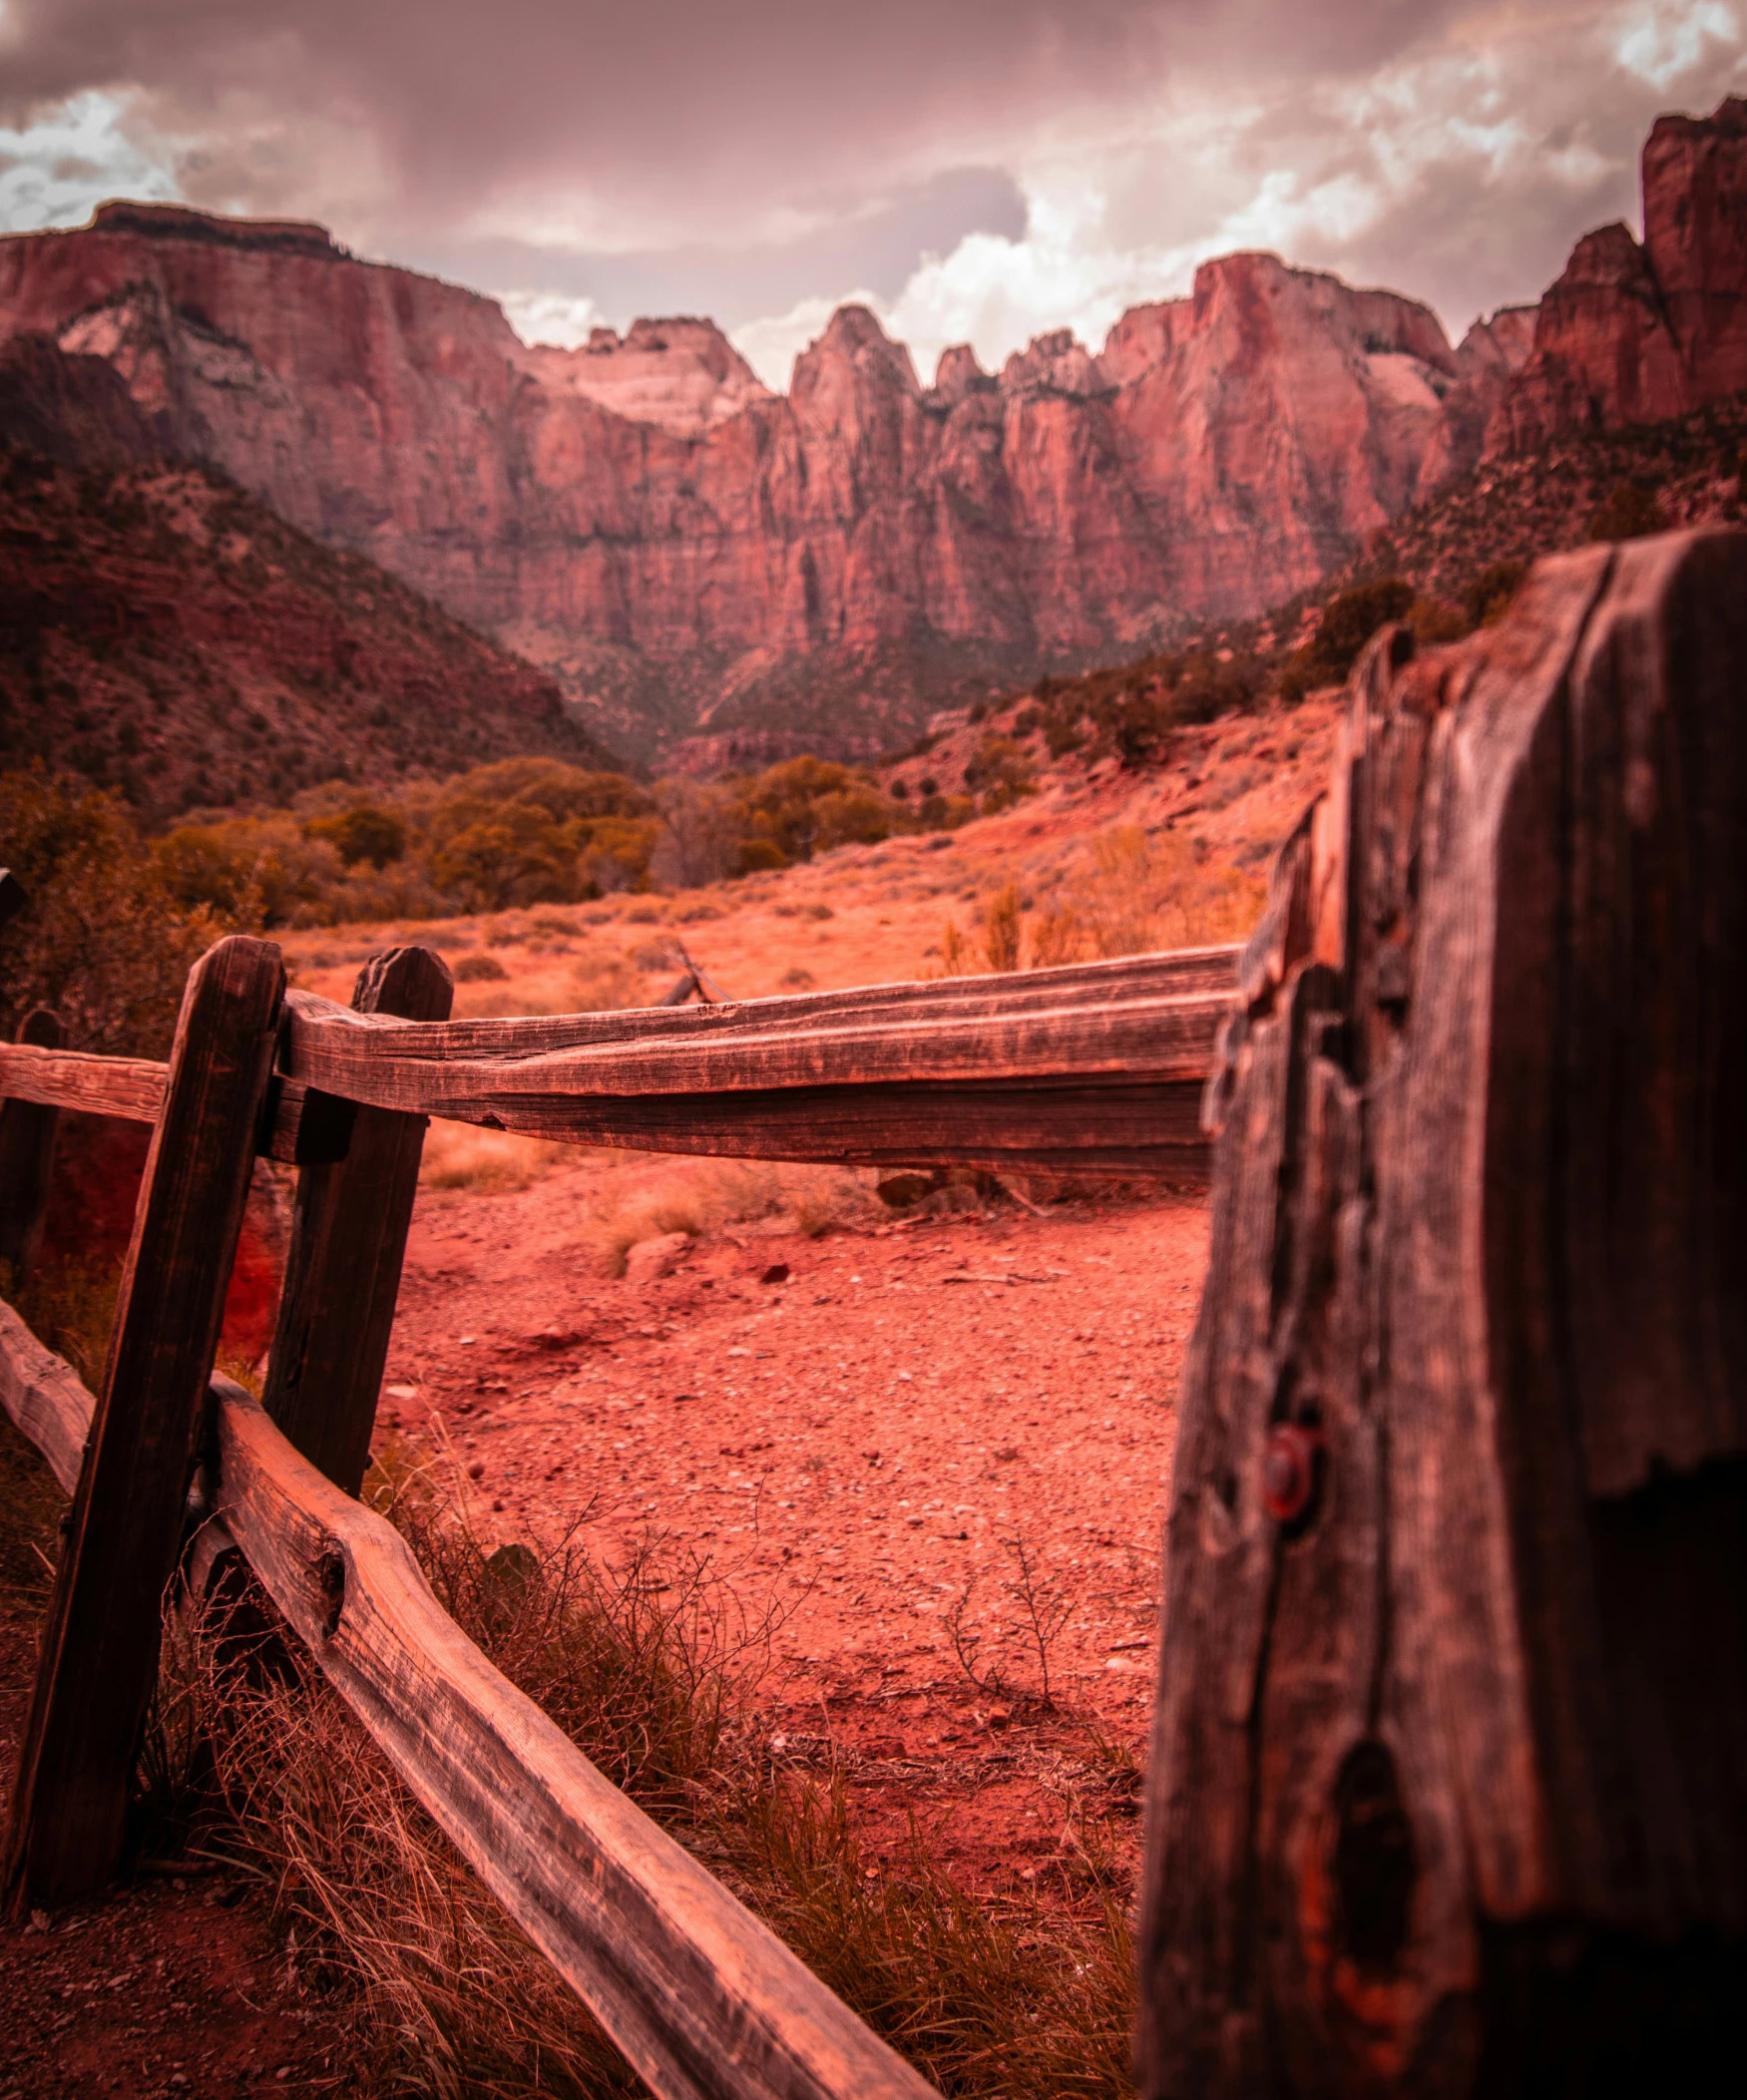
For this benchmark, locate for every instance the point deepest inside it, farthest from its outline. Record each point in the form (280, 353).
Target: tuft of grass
(462, 1156)
(653, 1671)
(697, 1197)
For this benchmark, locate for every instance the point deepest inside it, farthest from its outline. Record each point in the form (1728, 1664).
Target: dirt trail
(861, 1443)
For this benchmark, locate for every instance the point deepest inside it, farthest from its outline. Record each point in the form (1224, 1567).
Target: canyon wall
(649, 519)
(1634, 332)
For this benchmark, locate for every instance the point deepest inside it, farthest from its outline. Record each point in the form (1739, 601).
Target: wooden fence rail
(1446, 1792)
(1089, 1069)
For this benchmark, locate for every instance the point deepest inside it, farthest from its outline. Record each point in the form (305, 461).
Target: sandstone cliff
(1636, 333)
(689, 550)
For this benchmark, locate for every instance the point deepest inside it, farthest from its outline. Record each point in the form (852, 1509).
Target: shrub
(1629, 513)
(1488, 597)
(102, 939)
(1347, 624)
(363, 833)
(479, 969)
(1001, 929)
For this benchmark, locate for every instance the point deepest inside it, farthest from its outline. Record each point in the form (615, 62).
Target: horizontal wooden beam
(1155, 1014)
(702, 2000)
(1099, 1126)
(45, 1399)
(302, 1125)
(705, 2002)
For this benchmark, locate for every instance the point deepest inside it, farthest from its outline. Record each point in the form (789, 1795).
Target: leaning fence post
(27, 1154)
(99, 1659)
(348, 1240)
(1447, 1788)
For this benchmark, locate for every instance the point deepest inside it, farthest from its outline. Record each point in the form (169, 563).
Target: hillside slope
(166, 634)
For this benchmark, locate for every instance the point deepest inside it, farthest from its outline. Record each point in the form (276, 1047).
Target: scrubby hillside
(163, 634)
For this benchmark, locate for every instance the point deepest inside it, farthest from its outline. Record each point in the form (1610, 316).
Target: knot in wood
(1289, 1469)
(331, 1573)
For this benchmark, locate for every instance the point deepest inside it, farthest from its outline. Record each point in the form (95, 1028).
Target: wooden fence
(1084, 1070)
(1446, 1795)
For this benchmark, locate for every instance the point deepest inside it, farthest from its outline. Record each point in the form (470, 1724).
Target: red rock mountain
(1636, 333)
(687, 549)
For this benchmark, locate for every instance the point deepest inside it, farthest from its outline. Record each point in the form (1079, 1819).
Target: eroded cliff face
(646, 494)
(642, 514)
(1637, 332)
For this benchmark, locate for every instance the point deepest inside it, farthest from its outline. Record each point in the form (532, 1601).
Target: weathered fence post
(99, 1659)
(27, 1154)
(1448, 1788)
(348, 1239)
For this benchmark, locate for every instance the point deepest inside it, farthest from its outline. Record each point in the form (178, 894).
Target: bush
(1488, 597)
(364, 833)
(102, 939)
(1348, 623)
(1629, 513)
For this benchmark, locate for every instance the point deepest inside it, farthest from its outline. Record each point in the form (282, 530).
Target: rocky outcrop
(1636, 333)
(76, 410)
(641, 512)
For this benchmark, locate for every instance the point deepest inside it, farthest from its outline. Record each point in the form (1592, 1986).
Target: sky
(980, 170)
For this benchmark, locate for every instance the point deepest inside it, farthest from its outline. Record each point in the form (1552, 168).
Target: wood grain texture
(702, 2000)
(348, 1240)
(1445, 1791)
(99, 1655)
(300, 1125)
(27, 1153)
(1095, 1126)
(1151, 1014)
(131, 1088)
(44, 1398)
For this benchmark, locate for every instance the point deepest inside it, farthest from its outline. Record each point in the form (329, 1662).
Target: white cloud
(550, 317)
(56, 171)
(1667, 38)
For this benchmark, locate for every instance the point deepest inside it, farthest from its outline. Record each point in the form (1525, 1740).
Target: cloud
(974, 169)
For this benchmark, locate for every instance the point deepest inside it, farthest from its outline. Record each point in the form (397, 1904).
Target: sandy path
(862, 1444)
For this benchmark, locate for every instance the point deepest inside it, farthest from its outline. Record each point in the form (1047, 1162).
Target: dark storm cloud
(658, 106)
(870, 247)
(762, 160)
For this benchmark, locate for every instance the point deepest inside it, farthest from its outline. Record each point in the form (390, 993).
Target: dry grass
(1129, 894)
(653, 1672)
(462, 1156)
(697, 1197)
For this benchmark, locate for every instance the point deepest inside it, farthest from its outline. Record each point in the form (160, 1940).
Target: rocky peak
(1695, 240)
(681, 373)
(853, 351)
(179, 222)
(1633, 335)
(957, 376)
(1057, 363)
(1144, 337)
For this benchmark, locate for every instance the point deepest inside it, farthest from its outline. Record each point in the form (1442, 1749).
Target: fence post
(348, 1240)
(99, 1659)
(1446, 1795)
(27, 1154)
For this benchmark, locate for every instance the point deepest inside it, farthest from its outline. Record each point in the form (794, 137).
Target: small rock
(1000, 1716)
(777, 1273)
(401, 1392)
(554, 1337)
(476, 1472)
(1007, 1452)
(897, 1191)
(650, 1259)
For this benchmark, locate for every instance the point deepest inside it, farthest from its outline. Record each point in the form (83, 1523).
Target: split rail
(1446, 1790)
(1087, 1071)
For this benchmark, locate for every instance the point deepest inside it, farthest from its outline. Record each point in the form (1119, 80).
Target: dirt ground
(171, 1987)
(929, 1456)
(864, 1428)
(924, 1459)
